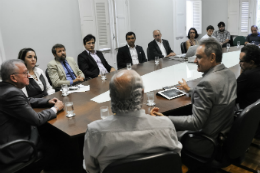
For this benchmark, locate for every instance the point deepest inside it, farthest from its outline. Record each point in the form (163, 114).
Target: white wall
(148, 15)
(40, 24)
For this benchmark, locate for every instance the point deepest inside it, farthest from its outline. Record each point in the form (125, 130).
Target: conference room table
(87, 111)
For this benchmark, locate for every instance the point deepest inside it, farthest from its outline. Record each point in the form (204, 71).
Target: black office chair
(234, 147)
(35, 156)
(148, 54)
(183, 47)
(167, 162)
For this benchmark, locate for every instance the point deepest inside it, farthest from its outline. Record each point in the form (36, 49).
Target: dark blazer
(16, 120)
(88, 65)
(155, 50)
(248, 87)
(34, 90)
(124, 56)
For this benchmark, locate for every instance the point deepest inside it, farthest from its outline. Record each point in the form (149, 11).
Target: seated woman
(39, 85)
(192, 35)
(248, 83)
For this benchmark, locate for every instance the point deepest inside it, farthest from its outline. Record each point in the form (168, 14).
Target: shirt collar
(131, 47)
(90, 52)
(159, 42)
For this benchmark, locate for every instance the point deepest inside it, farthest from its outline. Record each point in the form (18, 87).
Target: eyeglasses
(24, 73)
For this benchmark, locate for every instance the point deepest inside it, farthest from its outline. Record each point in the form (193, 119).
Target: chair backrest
(241, 39)
(183, 47)
(148, 54)
(242, 131)
(48, 77)
(167, 162)
(231, 41)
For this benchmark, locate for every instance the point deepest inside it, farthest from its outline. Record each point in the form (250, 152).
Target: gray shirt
(125, 134)
(221, 36)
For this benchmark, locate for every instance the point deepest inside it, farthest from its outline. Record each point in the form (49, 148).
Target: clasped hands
(183, 86)
(57, 103)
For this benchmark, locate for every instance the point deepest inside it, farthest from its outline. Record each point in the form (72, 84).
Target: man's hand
(183, 86)
(171, 54)
(53, 101)
(154, 112)
(59, 104)
(112, 69)
(78, 79)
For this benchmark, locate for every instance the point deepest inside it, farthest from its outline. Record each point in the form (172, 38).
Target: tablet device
(171, 93)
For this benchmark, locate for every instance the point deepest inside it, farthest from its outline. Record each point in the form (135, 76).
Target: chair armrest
(190, 134)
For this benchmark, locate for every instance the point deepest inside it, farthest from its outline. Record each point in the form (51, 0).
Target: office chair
(148, 54)
(48, 77)
(14, 167)
(183, 48)
(234, 147)
(241, 39)
(167, 162)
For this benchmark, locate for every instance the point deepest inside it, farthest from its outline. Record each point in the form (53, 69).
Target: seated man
(210, 30)
(130, 53)
(17, 116)
(254, 37)
(213, 99)
(63, 70)
(222, 35)
(92, 63)
(248, 84)
(159, 47)
(129, 131)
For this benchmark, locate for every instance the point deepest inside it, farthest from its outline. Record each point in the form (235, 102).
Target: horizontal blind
(197, 16)
(102, 23)
(244, 16)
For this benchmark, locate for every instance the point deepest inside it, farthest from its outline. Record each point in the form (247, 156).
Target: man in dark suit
(159, 47)
(130, 53)
(17, 117)
(92, 63)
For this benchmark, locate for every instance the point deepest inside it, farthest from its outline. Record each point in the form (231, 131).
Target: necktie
(71, 73)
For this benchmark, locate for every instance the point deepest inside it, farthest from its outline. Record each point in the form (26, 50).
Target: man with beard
(222, 35)
(254, 37)
(63, 70)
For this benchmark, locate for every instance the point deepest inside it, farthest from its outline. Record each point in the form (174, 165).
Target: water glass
(69, 109)
(103, 76)
(104, 113)
(228, 46)
(238, 44)
(65, 89)
(156, 60)
(128, 66)
(150, 99)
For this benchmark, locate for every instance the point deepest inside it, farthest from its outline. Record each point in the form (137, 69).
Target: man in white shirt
(159, 47)
(210, 30)
(129, 132)
(130, 53)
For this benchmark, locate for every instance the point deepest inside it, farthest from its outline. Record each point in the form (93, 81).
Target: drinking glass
(156, 60)
(238, 44)
(104, 113)
(150, 99)
(128, 65)
(65, 89)
(69, 109)
(103, 76)
(228, 46)
(253, 42)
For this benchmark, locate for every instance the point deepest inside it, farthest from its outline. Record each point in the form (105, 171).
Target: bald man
(254, 37)
(129, 131)
(159, 47)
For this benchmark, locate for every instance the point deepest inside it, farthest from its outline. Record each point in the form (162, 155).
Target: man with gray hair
(129, 131)
(213, 99)
(17, 117)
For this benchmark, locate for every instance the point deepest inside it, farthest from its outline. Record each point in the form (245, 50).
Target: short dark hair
(212, 46)
(129, 33)
(53, 50)
(23, 52)
(88, 38)
(221, 24)
(252, 52)
(196, 33)
(254, 26)
(210, 27)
